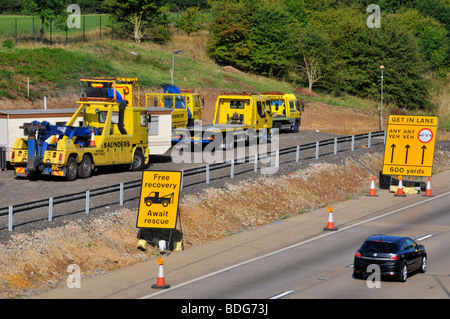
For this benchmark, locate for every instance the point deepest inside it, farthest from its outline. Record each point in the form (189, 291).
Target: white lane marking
(283, 294)
(425, 237)
(290, 247)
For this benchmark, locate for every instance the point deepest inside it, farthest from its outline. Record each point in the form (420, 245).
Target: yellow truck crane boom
(114, 132)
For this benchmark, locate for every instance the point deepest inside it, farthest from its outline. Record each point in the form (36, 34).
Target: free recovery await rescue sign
(158, 203)
(409, 148)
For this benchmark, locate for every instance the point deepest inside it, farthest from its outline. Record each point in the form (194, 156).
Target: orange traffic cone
(160, 281)
(400, 188)
(428, 190)
(330, 225)
(92, 139)
(372, 188)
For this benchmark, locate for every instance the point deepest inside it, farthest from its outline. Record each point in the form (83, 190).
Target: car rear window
(382, 247)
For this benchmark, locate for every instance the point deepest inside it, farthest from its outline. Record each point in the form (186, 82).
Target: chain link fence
(21, 29)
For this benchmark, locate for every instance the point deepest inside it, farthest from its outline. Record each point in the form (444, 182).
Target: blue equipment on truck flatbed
(39, 134)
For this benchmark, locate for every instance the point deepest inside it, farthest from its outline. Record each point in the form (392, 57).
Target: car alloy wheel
(404, 273)
(423, 268)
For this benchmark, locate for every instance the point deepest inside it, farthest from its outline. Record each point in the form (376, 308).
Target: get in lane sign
(409, 148)
(158, 204)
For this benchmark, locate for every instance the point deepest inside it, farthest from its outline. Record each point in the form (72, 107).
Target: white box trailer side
(160, 130)
(12, 120)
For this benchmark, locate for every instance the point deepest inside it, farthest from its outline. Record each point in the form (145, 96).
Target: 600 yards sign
(409, 148)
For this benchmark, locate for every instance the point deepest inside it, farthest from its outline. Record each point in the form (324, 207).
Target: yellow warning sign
(158, 204)
(409, 148)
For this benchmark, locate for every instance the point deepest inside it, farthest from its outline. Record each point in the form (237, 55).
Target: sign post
(409, 148)
(158, 203)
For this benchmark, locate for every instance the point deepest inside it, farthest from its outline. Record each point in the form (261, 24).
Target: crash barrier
(108, 190)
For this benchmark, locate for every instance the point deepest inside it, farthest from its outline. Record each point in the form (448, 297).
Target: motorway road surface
(296, 258)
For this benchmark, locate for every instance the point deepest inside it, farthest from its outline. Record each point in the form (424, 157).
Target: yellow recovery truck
(286, 111)
(186, 105)
(237, 117)
(114, 132)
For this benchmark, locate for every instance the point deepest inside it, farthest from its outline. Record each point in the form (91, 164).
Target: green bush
(8, 43)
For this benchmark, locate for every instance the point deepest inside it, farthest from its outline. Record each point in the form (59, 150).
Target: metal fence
(28, 29)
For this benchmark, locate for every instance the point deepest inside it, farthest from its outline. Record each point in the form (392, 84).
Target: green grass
(50, 70)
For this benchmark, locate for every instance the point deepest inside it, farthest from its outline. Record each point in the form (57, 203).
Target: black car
(395, 255)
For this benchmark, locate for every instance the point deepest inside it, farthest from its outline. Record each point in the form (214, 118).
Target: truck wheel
(85, 167)
(71, 169)
(138, 161)
(165, 203)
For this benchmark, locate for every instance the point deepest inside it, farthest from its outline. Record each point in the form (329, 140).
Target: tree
(10, 6)
(230, 31)
(312, 54)
(359, 51)
(432, 37)
(191, 20)
(137, 18)
(139, 30)
(47, 10)
(252, 36)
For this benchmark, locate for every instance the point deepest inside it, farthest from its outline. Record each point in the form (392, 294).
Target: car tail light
(394, 257)
(12, 156)
(358, 254)
(60, 157)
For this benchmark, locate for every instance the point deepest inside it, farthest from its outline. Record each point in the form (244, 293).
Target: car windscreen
(381, 247)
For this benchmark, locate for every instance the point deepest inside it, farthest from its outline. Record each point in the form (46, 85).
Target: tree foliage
(138, 19)
(46, 10)
(191, 20)
(328, 44)
(251, 36)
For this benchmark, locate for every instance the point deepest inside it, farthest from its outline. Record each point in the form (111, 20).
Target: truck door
(179, 114)
(261, 114)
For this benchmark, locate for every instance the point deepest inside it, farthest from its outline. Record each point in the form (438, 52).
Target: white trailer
(160, 127)
(12, 120)
(160, 130)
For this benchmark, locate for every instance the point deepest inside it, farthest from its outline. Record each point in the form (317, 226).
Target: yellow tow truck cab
(237, 117)
(186, 104)
(114, 132)
(285, 109)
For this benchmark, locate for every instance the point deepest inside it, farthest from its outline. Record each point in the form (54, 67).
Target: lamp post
(173, 60)
(381, 107)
